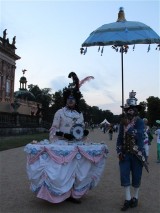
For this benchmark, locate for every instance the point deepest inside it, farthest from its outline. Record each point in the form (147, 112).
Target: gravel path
(108, 196)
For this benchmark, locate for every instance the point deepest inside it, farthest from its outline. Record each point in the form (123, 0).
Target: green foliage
(52, 102)
(153, 111)
(44, 97)
(143, 112)
(58, 102)
(34, 89)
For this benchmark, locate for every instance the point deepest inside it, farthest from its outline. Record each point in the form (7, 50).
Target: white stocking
(127, 192)
(136, 191)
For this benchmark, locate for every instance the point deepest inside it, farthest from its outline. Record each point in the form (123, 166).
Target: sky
(49, 35)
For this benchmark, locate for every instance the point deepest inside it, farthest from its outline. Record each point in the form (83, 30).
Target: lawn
(11, 142)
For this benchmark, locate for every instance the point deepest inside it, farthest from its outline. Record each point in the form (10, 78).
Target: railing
(11, 120)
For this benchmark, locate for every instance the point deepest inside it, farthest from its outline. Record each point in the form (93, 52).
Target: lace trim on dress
(71, 114)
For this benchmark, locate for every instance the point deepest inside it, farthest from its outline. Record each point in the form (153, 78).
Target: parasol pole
(121, 18)
(122, 78)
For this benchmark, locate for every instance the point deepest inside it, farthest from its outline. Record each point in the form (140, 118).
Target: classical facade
(8, 60)
(21, 101)
(19, 112)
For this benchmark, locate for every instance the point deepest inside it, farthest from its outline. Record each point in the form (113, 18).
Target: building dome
(25, 95)
(23, 80)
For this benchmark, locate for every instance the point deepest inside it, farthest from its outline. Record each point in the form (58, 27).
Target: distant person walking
(110, 132)
(147, 138)
(105, 127)
(157, 132)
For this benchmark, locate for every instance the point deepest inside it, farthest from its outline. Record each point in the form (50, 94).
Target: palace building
(21, 101)
(8, 60)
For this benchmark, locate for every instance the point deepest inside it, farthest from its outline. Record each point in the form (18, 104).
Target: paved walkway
(16, 197)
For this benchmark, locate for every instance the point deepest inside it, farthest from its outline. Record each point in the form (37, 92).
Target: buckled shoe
(134, 202)
(126, 205)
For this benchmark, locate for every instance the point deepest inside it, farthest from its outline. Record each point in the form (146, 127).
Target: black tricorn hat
(73, 89)
(126, 107)
(68, 92)
(131, 103)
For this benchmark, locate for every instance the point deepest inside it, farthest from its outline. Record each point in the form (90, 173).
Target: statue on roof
(14, 40)
(23, 71)
(4, 34)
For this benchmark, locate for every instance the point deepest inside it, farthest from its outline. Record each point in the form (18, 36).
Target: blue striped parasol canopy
(120, 34)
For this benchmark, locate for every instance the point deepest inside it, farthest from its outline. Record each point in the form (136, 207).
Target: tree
(34, 89)
(58, 101)
(44, 97)
(143, 112)
(153, 111)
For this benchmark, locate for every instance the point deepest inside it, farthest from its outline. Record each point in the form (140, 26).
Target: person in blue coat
(130, 151)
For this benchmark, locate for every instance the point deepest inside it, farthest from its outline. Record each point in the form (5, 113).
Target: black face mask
(130, 116)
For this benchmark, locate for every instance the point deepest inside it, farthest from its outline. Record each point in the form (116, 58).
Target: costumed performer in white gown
(68, 123)
(66, 166)
(68, 117)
